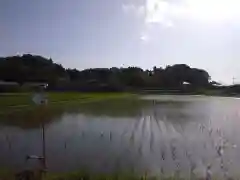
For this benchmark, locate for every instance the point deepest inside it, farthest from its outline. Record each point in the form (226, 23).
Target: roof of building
(8, 83)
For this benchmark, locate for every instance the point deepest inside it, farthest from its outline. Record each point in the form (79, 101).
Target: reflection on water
(181, 135)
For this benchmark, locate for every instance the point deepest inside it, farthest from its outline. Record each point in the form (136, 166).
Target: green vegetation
(29, 68)
(116, 176)
(116, 105)
(23, 100)
(20, 73)
(83, 175)
(6, 174)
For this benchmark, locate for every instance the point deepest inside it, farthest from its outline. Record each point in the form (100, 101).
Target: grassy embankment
(81, 175)
(116, 176)
(10, 101)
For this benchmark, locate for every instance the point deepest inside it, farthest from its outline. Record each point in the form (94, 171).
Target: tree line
(32, 68)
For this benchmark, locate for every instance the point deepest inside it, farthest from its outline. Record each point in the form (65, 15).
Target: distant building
(8, 86)
(35, 85)
(186, 83)
(8, 83)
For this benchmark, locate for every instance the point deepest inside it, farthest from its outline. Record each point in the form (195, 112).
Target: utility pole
(41, 101)
(233, 80)
(43, 148)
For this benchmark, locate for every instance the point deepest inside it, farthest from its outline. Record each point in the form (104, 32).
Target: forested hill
(31, 68)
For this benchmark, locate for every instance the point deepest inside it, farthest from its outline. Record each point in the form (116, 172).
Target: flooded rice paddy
(167, 135)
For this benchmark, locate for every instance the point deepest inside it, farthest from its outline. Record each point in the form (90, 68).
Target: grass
(84, 175)
(23, 100)
(116, 176)
(6, 174)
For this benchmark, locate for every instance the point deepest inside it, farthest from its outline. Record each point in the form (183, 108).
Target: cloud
(156, 13)
(156, 10)
(135, 10)
(161, 11)
(165, 13)
(151, 12)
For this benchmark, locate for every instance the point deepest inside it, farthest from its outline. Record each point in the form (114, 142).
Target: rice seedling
(83, 134)
(102, 134)
(173, 151)
(9, 142)
(110, 135)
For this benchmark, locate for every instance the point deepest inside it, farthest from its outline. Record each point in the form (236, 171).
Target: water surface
(157, 134)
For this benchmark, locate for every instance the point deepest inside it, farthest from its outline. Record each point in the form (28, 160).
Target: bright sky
(105, 33)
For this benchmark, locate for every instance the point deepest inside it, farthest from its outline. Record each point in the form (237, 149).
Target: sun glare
(212, 10)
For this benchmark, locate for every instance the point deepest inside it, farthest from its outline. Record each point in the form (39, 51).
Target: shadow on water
(33, 118)
(154, 136)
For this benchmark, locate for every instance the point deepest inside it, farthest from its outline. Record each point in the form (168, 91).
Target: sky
(105, 33)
